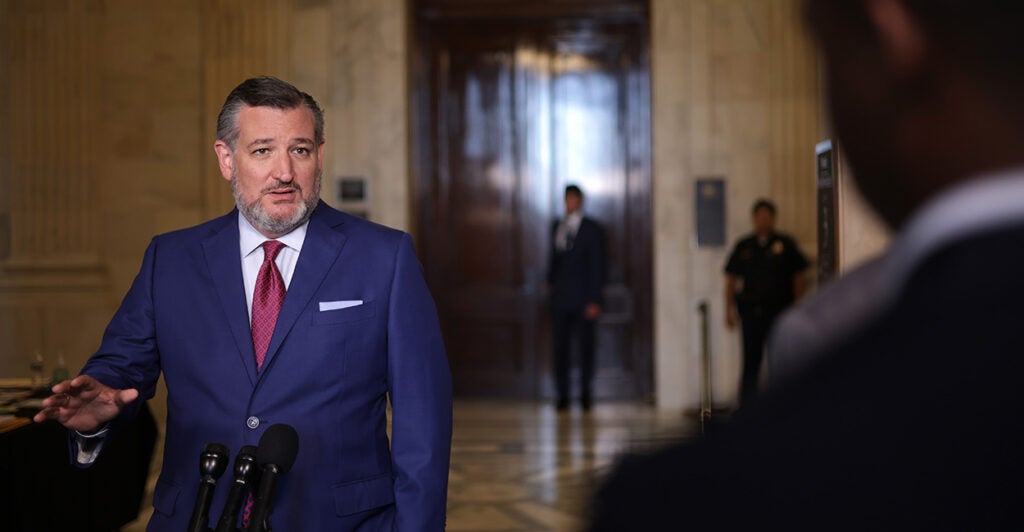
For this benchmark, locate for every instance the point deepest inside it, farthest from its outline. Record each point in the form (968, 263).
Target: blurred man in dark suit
(575, 278)
(913, 417)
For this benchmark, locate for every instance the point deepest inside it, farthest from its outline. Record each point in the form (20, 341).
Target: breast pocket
(344, 315)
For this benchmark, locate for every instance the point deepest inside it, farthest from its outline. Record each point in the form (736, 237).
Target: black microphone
(212, 463)
(246, 475)
(276, 455)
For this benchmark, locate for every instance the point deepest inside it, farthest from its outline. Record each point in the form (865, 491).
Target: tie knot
(270, 250)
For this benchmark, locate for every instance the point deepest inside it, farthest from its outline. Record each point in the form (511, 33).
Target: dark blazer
(328, 373)
(576, 276)
(916, 423)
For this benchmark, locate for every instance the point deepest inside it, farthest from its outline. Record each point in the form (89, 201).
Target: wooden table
(42, 490)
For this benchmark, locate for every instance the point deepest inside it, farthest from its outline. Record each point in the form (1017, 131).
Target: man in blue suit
(282, 311)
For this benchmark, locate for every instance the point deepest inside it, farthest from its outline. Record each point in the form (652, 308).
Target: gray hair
(265, 91)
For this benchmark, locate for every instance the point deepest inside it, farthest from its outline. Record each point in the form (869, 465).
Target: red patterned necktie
(266, 300)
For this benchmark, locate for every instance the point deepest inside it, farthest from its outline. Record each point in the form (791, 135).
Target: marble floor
(525, 467)
(522, 466)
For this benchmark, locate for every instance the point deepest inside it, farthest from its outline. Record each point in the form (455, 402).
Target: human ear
(901, 38)
(225, 158)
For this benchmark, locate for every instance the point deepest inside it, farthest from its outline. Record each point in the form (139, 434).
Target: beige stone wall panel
(735, 95)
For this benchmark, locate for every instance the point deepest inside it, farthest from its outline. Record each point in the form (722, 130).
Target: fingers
(124, 397)
(86, 388)
(52, 407)
(84, 382)
(61, 387)
(57, 400)
(84, 403)
(83, 392)
(79, 383)
(45, 414)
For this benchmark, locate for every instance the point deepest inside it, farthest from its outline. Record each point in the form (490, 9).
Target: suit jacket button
(253, 422)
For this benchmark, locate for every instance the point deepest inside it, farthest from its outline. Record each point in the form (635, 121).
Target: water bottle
(60, 371)
(36, 368)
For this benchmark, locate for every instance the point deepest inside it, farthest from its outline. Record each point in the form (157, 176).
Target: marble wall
(92, 142)
(109, 110)
(236, 39)
(862, 233)
(369, 106)
(735, 95)
(351, 56)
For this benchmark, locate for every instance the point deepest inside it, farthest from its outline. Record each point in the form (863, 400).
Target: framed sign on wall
(710, 198)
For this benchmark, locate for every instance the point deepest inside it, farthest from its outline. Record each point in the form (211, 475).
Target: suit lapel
(225, 264)
(584, 230)
(319, 252)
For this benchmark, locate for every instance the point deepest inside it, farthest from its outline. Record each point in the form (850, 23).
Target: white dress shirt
(567, 230)
(251, 246)
(848, 304)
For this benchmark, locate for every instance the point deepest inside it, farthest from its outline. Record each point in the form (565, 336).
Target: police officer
(768, 270)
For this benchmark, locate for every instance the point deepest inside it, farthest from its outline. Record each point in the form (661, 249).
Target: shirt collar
(249, 238)
(977, 206)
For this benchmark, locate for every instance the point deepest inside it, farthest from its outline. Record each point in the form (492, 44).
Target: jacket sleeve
(128, 355)
(420, 388)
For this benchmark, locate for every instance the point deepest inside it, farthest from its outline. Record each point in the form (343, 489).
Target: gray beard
(263, 221)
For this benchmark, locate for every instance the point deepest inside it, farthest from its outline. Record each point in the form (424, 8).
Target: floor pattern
(525, 467)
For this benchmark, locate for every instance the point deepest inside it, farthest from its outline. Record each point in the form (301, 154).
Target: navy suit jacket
(327, 373)
(576, 275)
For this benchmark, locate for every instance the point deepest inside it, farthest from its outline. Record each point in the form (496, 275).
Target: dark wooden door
(507, 111)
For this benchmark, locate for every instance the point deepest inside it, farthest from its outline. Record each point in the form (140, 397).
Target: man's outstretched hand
(84, 404)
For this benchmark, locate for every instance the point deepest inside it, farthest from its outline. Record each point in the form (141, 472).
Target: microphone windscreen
(216, 448)
(279, 445)
(214, 460)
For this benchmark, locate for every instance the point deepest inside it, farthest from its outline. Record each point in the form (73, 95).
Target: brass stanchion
(705, 396)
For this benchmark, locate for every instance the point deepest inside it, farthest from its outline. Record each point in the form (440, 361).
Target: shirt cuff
(90, 445)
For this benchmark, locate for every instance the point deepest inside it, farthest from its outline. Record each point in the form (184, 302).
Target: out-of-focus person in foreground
(915, 418)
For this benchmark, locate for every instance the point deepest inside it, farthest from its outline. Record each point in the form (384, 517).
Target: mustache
(282, 186)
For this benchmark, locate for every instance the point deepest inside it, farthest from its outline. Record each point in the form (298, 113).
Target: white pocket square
(338, 305)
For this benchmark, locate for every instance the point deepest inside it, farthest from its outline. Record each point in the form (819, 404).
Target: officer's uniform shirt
(767, 270)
